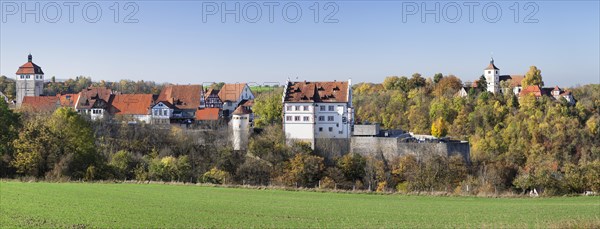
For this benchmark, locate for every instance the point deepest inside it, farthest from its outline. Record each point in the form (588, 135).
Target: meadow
(93, 205)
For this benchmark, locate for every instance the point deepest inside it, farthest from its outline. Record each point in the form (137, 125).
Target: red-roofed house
(132, 107)
(313, 110)
(185, 99)
(94, 102)
(232, 94)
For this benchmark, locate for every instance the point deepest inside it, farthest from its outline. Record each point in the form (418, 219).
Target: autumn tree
(10, 124)
(268, 109)
(533, 77)
(439, 128)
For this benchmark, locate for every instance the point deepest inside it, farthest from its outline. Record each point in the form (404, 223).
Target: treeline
(73, 86)
(516, 144)
(67, 146)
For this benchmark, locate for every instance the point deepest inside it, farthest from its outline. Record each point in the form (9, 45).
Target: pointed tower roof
(492, 66)
(29, 67)
(241, 111)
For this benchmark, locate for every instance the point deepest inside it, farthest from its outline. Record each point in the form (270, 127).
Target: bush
(216, 176)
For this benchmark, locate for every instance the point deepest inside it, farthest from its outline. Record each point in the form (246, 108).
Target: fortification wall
(390, 148)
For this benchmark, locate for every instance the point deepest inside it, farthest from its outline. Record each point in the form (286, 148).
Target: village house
(94, 102)
(317, 110)
(231, 95)
(162, 113)
(209, 117)
(555, 93)
(212, 98)
(184, 101)
(132, 108)
(48, 104)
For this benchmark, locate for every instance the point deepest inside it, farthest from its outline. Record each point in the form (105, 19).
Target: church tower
(492, 77)
(30, 80)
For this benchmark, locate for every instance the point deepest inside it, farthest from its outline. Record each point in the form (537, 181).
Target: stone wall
(390, 148)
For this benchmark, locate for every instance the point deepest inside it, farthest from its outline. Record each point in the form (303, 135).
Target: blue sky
(171, 42)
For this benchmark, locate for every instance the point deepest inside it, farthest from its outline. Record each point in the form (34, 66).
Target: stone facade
(389, 148)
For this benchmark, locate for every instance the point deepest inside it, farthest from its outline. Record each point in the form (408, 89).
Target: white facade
(161, 113)
(240, 124)
(492, 77)
(310, 121)
(94, 113)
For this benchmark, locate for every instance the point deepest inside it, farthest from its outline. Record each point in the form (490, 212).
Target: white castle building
(317, 110)
(493, 79)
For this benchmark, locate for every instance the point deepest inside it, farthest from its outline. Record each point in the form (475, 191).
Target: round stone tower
(240, 125)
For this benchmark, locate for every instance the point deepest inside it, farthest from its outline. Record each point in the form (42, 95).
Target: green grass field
(156, 205)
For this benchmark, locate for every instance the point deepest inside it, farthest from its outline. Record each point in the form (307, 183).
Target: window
(330, 118)
(305, 108)
(322, 108)
(297, 108)
(22, 77)
(296, 118)
(496, 72)
(288, 108)
(320, 129)
(288, 118)
(305, 118)
(28, 77)
(331, 108)
(489, 72)
(330, 129)
(321, 118)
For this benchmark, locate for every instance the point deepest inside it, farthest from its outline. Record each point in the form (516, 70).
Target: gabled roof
(41, 103)
(531, 89)
(93, 96)
(29, 68)
(515, 80)
(241, 111)
(131, 104)
(68, 100)
(169, 105)
(247, 103)
(334, 92)
(491, 66)
(207, 114)
(182, 96)
(231, 92)
(211, 92)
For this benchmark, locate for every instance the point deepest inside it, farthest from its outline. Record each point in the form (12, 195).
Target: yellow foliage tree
(439, 128)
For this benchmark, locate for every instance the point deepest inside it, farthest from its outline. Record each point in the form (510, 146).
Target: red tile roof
(231, 92)
(515, 80)
(89, 96)
(317, 92)
(132, 104)
(29, 68)
(68, 100)
(242, 111)
(40, 103)
(207, 114)
(491, 66)
(532, 89)
(182, 96)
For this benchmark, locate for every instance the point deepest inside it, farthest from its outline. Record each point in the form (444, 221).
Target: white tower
(492, 76)
(240, 124)
(30, 80)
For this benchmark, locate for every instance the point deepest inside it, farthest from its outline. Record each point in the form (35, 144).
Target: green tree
(304, 170)
(482, 84)
(352, 166)
(437, 77)
(10, 123)
(268, 109)
(533, 77)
